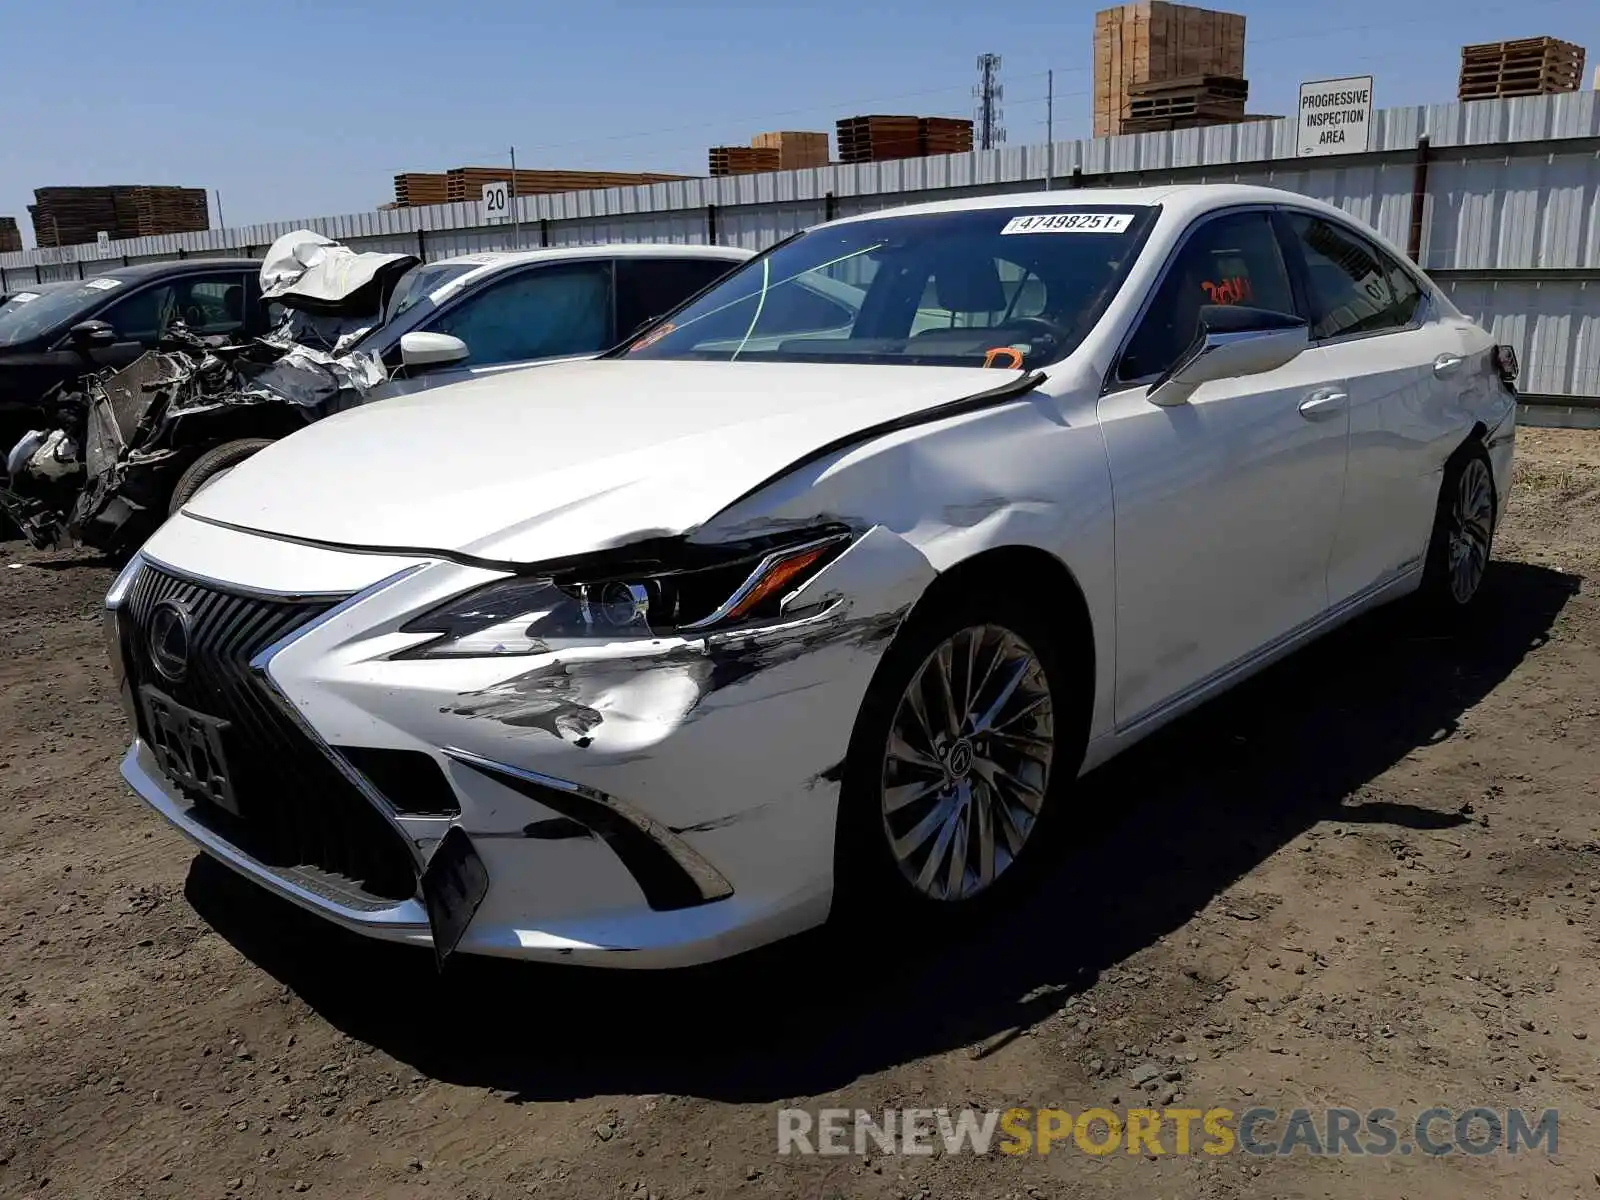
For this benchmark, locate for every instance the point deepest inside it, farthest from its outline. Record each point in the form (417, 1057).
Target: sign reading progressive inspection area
(1335, 116)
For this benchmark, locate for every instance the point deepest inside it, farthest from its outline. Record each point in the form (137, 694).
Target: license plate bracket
(188, 748)
(454, 883)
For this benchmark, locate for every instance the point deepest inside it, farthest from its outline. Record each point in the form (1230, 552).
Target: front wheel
(966, 738)
(210, 467)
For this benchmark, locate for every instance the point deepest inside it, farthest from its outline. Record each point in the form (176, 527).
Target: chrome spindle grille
(296, 810)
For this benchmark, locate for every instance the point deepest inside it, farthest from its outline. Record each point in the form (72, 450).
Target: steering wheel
(1035, 327)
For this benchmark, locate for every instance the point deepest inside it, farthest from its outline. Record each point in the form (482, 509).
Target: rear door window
(1356, 288)
(539, 312)
(648, 288)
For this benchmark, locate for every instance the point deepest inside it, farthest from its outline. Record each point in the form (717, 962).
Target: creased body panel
(600, 454)
(729, 742)
(1031, 473)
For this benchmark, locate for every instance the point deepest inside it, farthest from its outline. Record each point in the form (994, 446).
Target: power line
(706, 127)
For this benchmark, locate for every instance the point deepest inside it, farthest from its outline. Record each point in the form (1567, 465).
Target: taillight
(1505, 362)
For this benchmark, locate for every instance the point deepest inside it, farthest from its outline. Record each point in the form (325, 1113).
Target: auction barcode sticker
(1074, 222)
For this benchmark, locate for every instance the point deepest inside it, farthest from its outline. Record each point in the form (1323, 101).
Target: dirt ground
(1366, 879)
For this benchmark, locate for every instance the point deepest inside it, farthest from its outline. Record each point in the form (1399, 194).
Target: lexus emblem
(169, 640)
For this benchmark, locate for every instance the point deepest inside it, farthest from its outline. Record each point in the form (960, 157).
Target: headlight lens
(741, 585)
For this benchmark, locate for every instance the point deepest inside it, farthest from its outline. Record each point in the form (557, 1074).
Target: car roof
(139, 272)
(506, 258)
(1184, 200)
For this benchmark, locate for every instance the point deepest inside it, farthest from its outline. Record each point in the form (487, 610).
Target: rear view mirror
(1231, 340)
(92, 335)
(422, 350)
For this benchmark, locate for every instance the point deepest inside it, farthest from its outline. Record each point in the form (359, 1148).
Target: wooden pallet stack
(10, 235)
(743, 160)
(797, 149)
(879, 137)
(148, 211)
(1157, 42)
(421, 187)
(70, 216)
(945, 135)
(467, 183)
(1538, 66)
(1185, 103)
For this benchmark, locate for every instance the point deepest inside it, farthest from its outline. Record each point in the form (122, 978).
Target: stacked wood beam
(797, 149)
(69, 216)
(1156, 42)
(1538, 66)
(880, 137)
(1190, 103)
(467, 183)
(743, 160)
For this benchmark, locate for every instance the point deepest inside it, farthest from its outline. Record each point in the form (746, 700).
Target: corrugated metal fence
(1498, 200)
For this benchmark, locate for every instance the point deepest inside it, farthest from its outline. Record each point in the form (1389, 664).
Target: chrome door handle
(1325, 403)
(1445, 364)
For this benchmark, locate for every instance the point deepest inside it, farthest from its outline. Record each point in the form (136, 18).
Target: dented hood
(531, 465)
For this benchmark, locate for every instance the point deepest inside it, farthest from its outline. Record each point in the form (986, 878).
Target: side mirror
(420, 351)
(1232, 340)
(92, 335)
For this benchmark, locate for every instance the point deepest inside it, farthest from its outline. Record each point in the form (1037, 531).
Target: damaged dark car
(122, 450)
(191, 381)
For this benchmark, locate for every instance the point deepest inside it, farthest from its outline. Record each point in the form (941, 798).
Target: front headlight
(725, 587)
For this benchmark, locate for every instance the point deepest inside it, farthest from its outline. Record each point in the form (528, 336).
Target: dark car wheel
(1463, 534)
(967, 738)
(211, 464)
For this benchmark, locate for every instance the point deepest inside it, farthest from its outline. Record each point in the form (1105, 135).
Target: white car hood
(528, 466)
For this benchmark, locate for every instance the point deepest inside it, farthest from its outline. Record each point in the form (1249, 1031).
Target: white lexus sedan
(818, 595)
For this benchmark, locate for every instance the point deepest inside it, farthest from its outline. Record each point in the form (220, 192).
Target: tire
(209, 465)
(893, 854)
(1463, 535)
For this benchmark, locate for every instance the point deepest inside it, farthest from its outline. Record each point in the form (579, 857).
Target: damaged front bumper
(655, 802)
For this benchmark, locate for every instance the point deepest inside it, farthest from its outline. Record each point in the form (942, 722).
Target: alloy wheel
(967, 763)
(1471, 528)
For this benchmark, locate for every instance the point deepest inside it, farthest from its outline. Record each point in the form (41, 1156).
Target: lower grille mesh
(297, 810)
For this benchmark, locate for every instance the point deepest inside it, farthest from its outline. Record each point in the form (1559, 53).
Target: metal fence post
(711, 224)
(544, 231)
(422, 246)
(80, 268)
(1419, 199)
(830, 206)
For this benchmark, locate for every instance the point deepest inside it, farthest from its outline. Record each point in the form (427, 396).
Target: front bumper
(643, 804)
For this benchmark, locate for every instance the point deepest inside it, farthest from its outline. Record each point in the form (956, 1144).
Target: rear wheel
(968, 734)
(209, 466)
(1463, 534)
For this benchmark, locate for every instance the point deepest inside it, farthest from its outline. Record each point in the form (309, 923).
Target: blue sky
(298, 109)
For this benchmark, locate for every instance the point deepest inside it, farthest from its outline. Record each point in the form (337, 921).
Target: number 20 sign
(496, 204)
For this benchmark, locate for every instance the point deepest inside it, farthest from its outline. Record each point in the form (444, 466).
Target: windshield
(1006, 287)
(23, 320)
(421, 282)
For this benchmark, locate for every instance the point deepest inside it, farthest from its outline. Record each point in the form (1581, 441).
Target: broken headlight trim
(535, 615)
